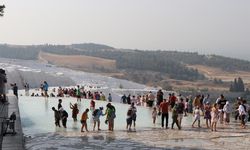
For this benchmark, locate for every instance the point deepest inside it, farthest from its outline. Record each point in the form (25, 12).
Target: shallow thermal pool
(37, 116)
(38, 127)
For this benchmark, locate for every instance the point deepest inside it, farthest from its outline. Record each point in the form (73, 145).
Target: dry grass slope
(79, 62)
(211, 73)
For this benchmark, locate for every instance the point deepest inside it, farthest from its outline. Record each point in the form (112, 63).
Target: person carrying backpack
(64, 116)
(96, 117)
(134, 110)
(57, 116)
(110, 112)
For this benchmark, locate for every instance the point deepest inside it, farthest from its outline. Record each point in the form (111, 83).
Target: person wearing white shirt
(227, 110)
(206, 100)
(242, 113)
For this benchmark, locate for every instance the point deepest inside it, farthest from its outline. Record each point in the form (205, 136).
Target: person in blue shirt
(45, 88)
(97, 113)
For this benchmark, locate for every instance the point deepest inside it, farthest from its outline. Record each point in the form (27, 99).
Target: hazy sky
(215, 26)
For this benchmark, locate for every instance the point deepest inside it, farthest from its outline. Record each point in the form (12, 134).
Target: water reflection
(85, 139)
(46, 102)
(110, 137)
(75, 126)
(98, 137)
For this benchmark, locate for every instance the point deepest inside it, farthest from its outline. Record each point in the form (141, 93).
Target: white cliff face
(18, 72)
(78, 76)
(34, 72)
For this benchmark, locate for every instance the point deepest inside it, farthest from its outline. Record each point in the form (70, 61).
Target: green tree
(241, 86)
(237, 85)
(231, 89)
(2, 10)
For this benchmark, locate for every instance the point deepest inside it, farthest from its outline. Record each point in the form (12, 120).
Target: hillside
(227, 76)
(169, 69)
(79, 62)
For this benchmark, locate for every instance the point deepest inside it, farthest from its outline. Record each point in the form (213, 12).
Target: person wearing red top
(92, 105)
(173, 100)
(164, 112)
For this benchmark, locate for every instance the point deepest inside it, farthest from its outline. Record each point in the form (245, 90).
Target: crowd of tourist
(212, 111)
(200, 106)
(77, 92)
(60, 114)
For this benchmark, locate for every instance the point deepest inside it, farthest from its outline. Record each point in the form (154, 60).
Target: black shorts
(129, 121)
(83, 121)
(134, 117)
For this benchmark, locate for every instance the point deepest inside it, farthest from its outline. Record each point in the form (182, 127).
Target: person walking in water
(64, 116)
(221, 101)
(110, 112)
(164, 113)
(46, 88)
(84, 120)
(129, 119)
(227, 110)
(242, 112)
(57, 116)
(124, 99)
(15, 89)
(78, 93)
(110, 97)
(214, 117)
(159, 97)
(134, 110)
(92, 105)
(26, 88)
(97, 113)
(59, 104)
(151, 99)
(154, 114)
(207, 114)
(175, 117)
(75, 111)
(197, 116)
(180, 110)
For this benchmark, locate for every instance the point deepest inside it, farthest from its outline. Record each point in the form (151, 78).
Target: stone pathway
(13, 142)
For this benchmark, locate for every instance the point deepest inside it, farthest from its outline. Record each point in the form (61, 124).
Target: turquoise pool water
(37, 116)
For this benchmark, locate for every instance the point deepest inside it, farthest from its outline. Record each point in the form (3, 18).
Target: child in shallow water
(207, 115)
(154, 114)
(214, 117)
(197, 116)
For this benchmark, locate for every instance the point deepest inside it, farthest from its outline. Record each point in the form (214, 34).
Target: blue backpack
(112, 115)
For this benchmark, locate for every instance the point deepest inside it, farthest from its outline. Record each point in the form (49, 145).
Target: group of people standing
(201, 106)
(61, 115)
(219, 111)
